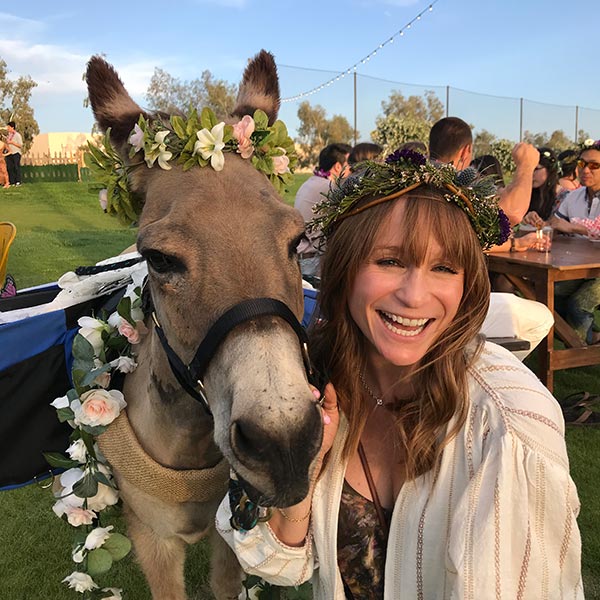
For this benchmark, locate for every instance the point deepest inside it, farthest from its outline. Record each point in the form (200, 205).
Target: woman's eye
(446, 269)
(162, 263)
(389, 262)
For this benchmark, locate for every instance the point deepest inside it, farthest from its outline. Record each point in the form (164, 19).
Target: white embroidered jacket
(496, 520)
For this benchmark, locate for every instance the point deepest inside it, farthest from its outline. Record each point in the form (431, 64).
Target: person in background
(443, 470)
(4, 180)
(333, 164)
(567, 161)
(579, 299)
(544, 187)
(487, 165)
(364, 151)
(451, 141)
(14, 143)
(415, 145)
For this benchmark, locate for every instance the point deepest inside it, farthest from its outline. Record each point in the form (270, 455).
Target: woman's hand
(526, 242)
(532, 218)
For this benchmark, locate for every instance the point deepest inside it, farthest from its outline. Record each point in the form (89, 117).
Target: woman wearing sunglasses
(580, 298)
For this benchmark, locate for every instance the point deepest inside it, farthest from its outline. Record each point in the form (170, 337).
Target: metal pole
(521, 122)
(355, 131)
(576, 124)
(447, 100)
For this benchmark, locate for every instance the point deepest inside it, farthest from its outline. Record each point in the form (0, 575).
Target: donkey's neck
(170, 425)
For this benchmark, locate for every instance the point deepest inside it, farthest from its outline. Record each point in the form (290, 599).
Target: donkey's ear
(259, 88)
(113, 107)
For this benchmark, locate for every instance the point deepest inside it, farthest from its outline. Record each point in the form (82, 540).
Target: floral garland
(194, 140)
(404, 170)
(87, 488)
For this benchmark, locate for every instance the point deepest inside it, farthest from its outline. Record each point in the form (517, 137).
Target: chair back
(7, 234)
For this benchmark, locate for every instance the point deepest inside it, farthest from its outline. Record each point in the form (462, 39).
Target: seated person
(486, 165)
(578, 299)
(543, 193)
(568, 181)
(364, 151)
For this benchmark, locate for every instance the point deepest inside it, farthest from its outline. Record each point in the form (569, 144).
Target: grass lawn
(59, 227)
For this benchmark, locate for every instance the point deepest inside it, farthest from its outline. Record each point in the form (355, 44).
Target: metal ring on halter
(47, 485)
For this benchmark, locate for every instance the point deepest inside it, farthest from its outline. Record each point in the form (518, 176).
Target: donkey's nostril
(248, 440)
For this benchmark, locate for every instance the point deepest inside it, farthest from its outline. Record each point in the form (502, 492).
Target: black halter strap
(190, 376)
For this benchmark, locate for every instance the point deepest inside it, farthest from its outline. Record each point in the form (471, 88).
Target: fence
(358, 98)
(40, 168)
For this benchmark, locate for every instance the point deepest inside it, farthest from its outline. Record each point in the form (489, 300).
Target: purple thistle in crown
(406, 155)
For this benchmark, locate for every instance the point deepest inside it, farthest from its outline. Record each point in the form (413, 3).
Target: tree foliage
(406, 119)
(557, 140)
(169, 94)
(14, 104)
(317, 131)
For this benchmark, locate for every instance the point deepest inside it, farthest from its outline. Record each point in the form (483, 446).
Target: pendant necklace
(377, 399)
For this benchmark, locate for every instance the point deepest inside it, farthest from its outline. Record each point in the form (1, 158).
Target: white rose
(106, 496)
(97, 537)
(91, 329)
(103, 199)
(124, 364)
(67, 498)
(98, 407)
(77, 516)
(77, 451)
(80, 582)
(116, 594)
(62, 402)
(588, 142)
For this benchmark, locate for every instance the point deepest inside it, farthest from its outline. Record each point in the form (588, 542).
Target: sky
(509, 49)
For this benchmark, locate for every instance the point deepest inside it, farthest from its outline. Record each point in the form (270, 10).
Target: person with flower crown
(333, 163)
(544, 189)
(443, 470)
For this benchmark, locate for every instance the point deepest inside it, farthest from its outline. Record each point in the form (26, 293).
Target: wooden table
(534, 273)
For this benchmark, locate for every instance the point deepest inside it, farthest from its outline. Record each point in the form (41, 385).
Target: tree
(317, 131)
(406, 119)
(169, 94)
(14, 104)
(428, 109)
(482, 142)
(502, 150)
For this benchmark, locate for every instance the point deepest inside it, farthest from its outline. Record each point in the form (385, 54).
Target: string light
(362, 61)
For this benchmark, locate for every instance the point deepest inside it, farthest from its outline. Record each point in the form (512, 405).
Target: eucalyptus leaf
(118, 545)
(99, 561)
(90, 376)
(82, 349)
(86, 487)
(65, 414)
(54, 459)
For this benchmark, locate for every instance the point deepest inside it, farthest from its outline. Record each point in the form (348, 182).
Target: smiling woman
(440, 453)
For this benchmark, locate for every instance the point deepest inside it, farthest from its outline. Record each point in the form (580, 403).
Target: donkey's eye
(293, 249)
(162, 263)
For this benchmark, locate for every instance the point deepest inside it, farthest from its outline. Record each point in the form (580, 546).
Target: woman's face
(540, 176)
(402, 308)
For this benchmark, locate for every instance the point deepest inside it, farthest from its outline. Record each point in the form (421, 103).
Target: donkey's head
(214, 238)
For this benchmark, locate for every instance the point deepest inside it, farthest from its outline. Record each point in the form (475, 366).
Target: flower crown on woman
(406, 170)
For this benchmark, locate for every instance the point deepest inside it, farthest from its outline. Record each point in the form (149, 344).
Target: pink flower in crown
(136, 139)
(281, 163)
(133, 334)
(242, 132)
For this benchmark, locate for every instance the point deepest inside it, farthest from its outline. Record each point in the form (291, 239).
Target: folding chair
(7, 234)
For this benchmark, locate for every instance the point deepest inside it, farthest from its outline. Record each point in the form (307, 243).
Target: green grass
(59, 227)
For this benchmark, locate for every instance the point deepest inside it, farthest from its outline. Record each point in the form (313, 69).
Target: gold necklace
(371, 393)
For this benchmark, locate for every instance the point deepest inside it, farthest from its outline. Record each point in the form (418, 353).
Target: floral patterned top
(362, 545)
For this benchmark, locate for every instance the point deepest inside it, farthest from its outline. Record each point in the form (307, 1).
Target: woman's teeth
(389, 320)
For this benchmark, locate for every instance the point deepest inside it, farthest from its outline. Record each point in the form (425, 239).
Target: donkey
(212, 240)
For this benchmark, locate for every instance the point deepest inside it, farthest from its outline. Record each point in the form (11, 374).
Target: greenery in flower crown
(379, 182)
(191, 141)
(86, 491)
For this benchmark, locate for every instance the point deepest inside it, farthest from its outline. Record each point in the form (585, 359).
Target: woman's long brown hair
(440, 380)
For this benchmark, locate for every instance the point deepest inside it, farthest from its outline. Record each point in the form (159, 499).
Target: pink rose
(281, 163)
(98, 407)
(242, 132)
(133, 334)
(77, 515)
(103, 199)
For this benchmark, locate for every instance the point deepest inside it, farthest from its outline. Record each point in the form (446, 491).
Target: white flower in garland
(210, 144)
(158, 150)
(80, 582)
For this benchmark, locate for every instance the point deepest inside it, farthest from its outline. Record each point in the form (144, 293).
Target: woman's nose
(413, 289)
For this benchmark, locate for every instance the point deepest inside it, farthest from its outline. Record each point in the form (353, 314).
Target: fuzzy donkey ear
(259, 88)
(113, 107)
